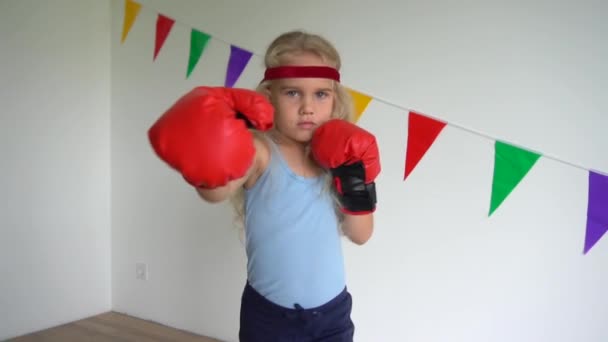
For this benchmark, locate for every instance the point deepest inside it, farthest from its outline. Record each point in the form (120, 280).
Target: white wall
(55, 152)
(437, 269)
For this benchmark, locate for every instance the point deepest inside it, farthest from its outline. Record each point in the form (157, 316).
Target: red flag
(163, 27)
(422, 132)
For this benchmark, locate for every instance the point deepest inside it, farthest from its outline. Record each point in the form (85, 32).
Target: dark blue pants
(264, 321)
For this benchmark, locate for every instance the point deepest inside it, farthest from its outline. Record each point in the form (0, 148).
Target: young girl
(305, 175)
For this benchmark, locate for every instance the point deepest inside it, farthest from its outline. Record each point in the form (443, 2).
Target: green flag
(511, 164)
(198, 41)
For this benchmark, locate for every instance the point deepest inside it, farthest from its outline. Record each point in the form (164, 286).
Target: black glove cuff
(355, 195)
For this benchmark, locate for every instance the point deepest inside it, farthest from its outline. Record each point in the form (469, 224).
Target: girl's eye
(322, 94)
(292, 93)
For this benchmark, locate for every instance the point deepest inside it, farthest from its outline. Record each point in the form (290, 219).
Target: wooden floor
(110, 327)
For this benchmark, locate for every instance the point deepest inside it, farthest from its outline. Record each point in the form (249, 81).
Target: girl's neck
(290, 144)
(297, 155)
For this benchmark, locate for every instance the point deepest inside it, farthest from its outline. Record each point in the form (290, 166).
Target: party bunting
(511, 164)
(198, 42)
(163, 27)
(360, 102)
(132, 9)
(236, 64)
(597, 209)
(421, 134)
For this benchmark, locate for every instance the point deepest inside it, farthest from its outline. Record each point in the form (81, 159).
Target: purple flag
(236, 64)
(597, 209)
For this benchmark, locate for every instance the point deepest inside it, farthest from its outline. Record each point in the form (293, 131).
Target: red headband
(291, 71)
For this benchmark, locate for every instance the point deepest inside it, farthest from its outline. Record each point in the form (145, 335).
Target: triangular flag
(163, 27)
(198, 41)
(511, 164)
(360, 102)
(131, 11)
(421, 133)
(597, 209)
(236, 64)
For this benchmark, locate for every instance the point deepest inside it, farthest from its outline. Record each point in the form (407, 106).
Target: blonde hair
(296, 42)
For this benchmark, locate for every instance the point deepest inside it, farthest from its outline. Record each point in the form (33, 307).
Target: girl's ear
(267, 92)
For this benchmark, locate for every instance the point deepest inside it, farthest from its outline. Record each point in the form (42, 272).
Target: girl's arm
(358, 228)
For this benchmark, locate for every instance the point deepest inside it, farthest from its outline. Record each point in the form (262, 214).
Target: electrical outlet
(141, 271)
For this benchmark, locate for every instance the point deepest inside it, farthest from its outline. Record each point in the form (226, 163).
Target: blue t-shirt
(293, 242)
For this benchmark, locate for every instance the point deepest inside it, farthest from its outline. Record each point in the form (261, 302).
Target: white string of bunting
(511, 163)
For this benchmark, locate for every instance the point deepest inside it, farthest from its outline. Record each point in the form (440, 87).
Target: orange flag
(131, 11)
(360, 102)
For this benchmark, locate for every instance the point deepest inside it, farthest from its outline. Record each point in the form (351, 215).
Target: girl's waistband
(251, 294)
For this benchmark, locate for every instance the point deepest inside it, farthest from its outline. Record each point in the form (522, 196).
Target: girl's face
(302, 104)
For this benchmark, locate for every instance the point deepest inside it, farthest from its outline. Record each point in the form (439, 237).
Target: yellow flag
(360, 102)
(131, 11)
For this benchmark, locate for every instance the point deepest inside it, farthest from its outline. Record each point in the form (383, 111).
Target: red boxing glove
(351, 153)
(205, 135)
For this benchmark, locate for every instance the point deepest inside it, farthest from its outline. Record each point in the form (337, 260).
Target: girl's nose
(306, 106)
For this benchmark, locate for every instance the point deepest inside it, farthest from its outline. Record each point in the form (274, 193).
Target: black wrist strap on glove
(355, 195)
